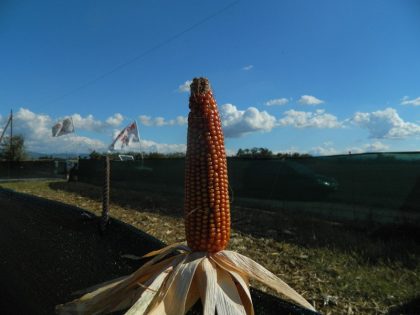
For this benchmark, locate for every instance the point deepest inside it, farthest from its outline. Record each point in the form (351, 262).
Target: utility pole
(5, 129)
(11, 136)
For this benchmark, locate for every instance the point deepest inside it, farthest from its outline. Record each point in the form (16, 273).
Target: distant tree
(175, 155)
(95, 155)
(14, 151)
(305, 155)
(294, 155)
(255, 153)
(265, 153)
(138, 156)
(155, 155)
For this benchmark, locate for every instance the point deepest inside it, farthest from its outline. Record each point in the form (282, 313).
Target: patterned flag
(63, 127)
(128, 135)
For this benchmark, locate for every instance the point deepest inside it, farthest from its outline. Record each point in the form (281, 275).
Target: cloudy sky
(324, 77)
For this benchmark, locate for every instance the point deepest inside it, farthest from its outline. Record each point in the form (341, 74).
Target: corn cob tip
(200, 86)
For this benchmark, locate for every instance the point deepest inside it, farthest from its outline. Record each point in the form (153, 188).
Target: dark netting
(380, 187)
(33, 169)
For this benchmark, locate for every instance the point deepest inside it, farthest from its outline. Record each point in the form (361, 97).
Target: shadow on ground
(374, 243)
(410, 308)
(50, 250)
(145, 201)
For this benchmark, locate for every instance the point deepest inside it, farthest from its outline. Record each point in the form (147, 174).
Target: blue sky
(323, 77)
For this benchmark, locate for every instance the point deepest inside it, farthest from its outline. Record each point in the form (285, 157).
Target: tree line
(264, 153)
(252, 153)
(15, 151)
(95, 155)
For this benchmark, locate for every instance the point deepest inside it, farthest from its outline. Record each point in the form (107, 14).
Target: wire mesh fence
(33, 169)
(372, 187)
(368, 187)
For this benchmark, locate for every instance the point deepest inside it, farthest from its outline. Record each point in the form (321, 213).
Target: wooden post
(105, 195)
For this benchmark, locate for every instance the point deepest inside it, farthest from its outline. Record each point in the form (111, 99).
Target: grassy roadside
(341, 269)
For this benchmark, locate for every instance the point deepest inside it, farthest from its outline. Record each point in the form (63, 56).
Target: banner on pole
(126, 136)
(63, 127)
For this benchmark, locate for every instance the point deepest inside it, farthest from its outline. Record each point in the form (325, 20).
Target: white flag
(126, 136)
(63, 127)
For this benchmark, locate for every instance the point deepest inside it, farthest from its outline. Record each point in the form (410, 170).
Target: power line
(145, 53)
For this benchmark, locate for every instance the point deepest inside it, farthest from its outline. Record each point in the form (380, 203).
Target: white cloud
(309, 100)
(152, 146)
(317, 119)
(181, 120)
(36, 130)
(145, 120)
(72, 143)
(33, 126)
(115, 120)
(248, 67)
(385, 124)
(161, 121)
(89, 123)
(237, 123)
(406, 101)
(376, 146)
(230, 152)
(277, 101)
(325, 149)
(185, 87)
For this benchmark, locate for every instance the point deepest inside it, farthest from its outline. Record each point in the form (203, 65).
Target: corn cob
(206, 206)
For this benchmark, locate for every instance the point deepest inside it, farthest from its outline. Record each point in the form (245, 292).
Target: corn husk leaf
(157, 255)
(167, 284)
(228, 299)
(242, 284)
(168, 249)
(116, 295)
(143, 302)
(207, 279)
(174, 302)
(104, 286)
(246, 266)
(131, 257)
(193, 294)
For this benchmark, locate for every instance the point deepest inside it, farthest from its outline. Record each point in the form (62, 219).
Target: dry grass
(341, 269)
